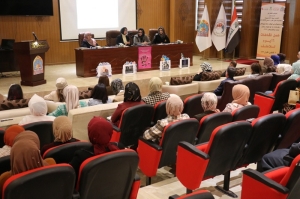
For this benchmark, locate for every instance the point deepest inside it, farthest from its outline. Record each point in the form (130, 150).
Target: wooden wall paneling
(250, 28)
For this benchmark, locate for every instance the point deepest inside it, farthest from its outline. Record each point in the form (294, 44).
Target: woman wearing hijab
(132, 97)
(62, 131)
(155, 87)
(99, 132)
(174, 107)
(99, 95)
(141, 38)
(57, 96)
(88, 41)
(209, 104)
(71, 95)
(123, 37)
(160, 37)
(118, 90)
(9, 136)
(25, 155)
(204, 67)
(38, 110)
(269, 65)
(276, 59)
(240, 95)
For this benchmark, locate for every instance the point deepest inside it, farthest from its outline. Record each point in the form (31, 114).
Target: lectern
(30, 57)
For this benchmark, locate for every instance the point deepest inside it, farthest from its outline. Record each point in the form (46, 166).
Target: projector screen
(95, 16)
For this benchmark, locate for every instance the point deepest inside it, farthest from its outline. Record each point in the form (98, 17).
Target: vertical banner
(270, 29)
(203, 37)
(145, 57)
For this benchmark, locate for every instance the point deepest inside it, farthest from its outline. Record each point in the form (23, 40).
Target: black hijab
(132, 93)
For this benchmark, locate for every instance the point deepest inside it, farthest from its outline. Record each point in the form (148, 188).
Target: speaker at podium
(30, 57)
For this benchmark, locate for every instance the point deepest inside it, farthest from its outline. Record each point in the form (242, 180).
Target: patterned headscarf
(174, 105)
(240, 94)
(62, 129)
(132, 93)
(100, 132)
(71, 95)
(25, 153)
(209, 101)
(37, 106)
(155, 84)
(206, 67)
(276, 59)
(10, 134)
(116, 86)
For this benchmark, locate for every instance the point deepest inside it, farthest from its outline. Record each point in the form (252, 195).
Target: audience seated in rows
(204, 67)
(140, 38)
(160, 37)
(25, 155)
(230, 72)
(62, 131)
(9, 136)
(240, 95)
(99, 95)
(255, 70)
(174, 107)
(123, 38)
(296, 68)
(57, 96)
(209, 104)
(38, 111)
(71, 95)
(99, 132)
(155, 95)
(118, 90)
(232, 64)
(132, 97)
(88, 41)
(15, 92)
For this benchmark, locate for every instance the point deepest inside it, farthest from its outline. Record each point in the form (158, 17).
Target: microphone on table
(35, 37)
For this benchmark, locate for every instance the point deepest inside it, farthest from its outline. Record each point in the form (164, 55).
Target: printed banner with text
(145, 57)
(270, 29)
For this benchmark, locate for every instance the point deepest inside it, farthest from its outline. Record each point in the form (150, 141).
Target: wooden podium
(30, 57)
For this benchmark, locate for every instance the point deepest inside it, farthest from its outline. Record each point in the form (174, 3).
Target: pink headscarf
(71, 95)
(240, 94)
(174, 105)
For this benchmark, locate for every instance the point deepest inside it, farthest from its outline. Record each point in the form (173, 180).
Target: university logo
(203, 29)
(219, 29)
(38, 67)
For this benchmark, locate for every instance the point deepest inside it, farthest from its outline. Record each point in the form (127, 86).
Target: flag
(203, 37)
(218, 35)
(234, 36)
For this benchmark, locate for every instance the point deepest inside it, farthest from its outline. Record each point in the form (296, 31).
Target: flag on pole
(203, 37)
(218, 35)
(234, 36)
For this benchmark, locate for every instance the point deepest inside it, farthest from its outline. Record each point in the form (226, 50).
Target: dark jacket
(220, 88)
(157, 39)
(86, 44)
(120, 39)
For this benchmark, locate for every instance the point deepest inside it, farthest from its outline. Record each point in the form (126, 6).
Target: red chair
(55, 181)
(297, 104)
(109, 175)
(245, 113)
(291, 131)
(159, 112)
(200, 194)
(133, 123)
(278, 183)
(192, 105)
(65, 152)
(209, 123)
(219, 156)
(154, 156)
(274, 101)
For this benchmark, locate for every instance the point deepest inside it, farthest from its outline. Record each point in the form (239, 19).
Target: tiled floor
(164, 184)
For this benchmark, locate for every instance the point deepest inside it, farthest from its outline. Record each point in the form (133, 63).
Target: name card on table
(129, 68)
(165, 65)
(104, 68)
(184, 63)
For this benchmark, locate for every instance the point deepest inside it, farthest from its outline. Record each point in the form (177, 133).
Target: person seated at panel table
(160, 37)
(88, 41)
(141, 38)
(123, 37)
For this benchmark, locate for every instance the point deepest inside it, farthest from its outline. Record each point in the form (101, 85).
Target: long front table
(87, 60)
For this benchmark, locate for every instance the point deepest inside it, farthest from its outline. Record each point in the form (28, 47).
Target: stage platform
(68, 71)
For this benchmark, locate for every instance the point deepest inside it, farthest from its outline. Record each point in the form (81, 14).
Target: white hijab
(37, 106)
(71, 95)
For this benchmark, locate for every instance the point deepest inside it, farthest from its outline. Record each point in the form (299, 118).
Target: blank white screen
(95, 16)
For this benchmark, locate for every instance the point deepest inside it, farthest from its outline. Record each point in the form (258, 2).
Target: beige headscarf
(155, 84)
(62, 129)
(268, 62)
(209, 101)
(25, 153)
(240, 94)
(71, 95)
(37, 106)
(174, 105)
